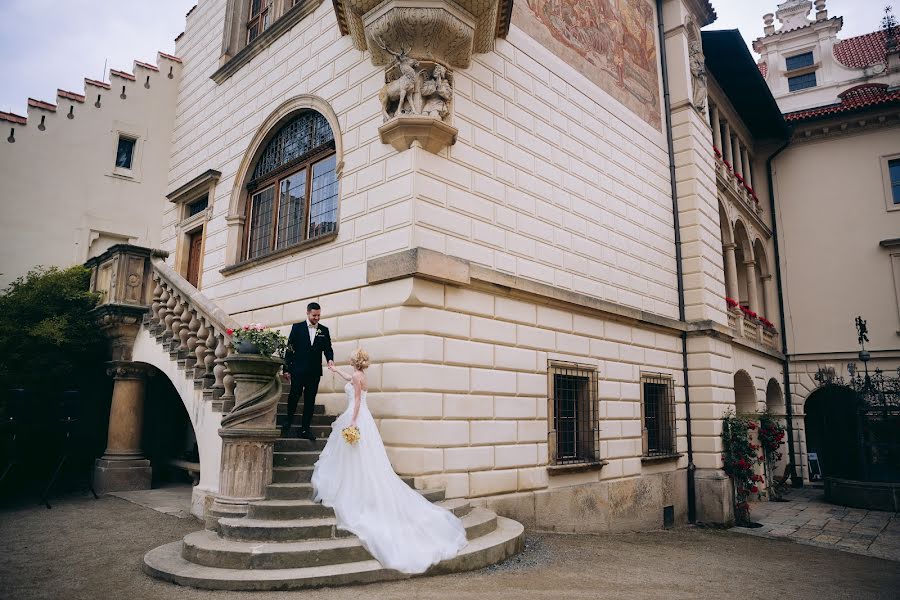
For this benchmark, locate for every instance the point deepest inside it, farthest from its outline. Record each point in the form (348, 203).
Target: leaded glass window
(294, 188)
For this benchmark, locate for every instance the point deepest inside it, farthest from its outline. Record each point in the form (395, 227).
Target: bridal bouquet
(351, 434)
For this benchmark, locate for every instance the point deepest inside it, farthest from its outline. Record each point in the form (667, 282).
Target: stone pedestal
(248, 436)
(714, 498)
(123, 466)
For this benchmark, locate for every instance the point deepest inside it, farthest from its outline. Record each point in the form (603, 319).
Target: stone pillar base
(714, 498)
(121, 475)
(223, 507)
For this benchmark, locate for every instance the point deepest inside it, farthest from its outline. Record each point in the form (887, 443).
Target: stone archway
(832, 431)
(169, 440)
(775, 399)
(744, 394)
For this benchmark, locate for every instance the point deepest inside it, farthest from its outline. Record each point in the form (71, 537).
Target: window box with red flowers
(749, 314)
(717, 152)
(740, 179)
(728, 164)
(767, 325)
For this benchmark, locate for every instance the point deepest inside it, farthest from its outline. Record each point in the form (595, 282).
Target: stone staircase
(287, 541)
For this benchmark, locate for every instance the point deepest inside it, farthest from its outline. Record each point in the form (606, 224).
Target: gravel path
(92, 549)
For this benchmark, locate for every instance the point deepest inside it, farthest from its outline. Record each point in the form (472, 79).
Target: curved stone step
(209, 549)
(167, 563)
(292, 474)
(289, 491)
(295, 459)
(287, 509)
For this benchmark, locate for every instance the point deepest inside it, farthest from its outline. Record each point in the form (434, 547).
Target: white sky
(47, 44)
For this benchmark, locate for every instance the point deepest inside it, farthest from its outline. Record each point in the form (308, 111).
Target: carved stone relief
(697, 62)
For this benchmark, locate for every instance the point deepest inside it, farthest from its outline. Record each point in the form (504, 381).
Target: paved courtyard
(92, 549)
(806, 518)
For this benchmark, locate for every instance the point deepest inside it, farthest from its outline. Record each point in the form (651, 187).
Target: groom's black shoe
(307, 435)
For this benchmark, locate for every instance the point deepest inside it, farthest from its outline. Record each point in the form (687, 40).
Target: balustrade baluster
(200, 348)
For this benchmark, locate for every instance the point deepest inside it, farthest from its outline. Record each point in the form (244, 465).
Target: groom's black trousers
(309, 387)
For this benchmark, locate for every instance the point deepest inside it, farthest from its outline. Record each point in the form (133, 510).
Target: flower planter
(245, 347)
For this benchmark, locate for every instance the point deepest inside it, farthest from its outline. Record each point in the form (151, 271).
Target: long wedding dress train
(396, 524)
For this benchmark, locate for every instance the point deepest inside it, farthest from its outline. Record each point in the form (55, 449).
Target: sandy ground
(92, 549)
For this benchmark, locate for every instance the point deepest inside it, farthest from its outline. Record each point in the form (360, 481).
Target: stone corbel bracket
(439, 32)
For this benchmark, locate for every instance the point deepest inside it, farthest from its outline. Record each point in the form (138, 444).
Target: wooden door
(194, 255)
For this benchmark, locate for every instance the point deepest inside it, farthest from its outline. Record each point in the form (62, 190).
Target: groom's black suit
(304, 363)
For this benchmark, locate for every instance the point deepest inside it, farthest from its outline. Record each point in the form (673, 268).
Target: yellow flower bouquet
(351, 434)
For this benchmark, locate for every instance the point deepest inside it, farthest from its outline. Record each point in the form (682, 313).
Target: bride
(396, 524)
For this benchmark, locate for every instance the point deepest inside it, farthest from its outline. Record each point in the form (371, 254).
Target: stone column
(716, 127)
(727, 152)
(731, 278)
(248, 436)
(123, 466)
(745, 157)
(736, 159)
(768, 296)
(752, 286)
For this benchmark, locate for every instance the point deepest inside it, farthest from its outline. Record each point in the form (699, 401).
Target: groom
(303, 367)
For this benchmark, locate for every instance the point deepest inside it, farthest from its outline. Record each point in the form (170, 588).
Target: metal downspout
(796, 480)
(691, 497)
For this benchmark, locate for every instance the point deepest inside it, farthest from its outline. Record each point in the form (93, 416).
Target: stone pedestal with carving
(248, 436)
(123, 466)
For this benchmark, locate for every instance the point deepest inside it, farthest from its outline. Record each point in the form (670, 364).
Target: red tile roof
(69, 95)
(101, 84)
(856, 98)
(169, 56)
(41, 104)
(861, 51)
(763, 68)
(122, 74)
(146, 65)
(13, 118)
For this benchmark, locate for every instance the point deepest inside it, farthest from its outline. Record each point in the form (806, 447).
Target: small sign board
(815, 469)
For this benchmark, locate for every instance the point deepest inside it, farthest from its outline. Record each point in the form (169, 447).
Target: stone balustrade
(748, 329)
(195, 333)
(729, 181)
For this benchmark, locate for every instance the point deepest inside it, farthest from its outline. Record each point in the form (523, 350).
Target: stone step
(281, 415)
(295, 459)
(209, 549)
(322, 431)
(293, 530)
(318, 409)
(287, 509)
(292, 474)
(167, 563)
(289, 491)
(299, 445)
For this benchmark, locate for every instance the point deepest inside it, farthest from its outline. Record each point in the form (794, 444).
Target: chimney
(769, 22)
(821, 13)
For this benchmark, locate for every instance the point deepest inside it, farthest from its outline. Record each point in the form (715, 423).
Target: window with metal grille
(659, 414)
(894, 170)
(294, 189)
(574, 421)
(197, 206)
(802, 82)
(799, 61)
(259, 18)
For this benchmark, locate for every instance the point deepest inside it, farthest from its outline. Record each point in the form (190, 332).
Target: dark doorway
(168, 438)
(832, 431)
(195, 253)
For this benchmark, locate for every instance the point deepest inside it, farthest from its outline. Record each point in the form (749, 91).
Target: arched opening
(729, 266)
(832, 431)
(774, 399)
(168, 437)
(743, 255)
(762, 277)
(744, 394)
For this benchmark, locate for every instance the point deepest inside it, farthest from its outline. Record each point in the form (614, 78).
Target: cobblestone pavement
(806, 518)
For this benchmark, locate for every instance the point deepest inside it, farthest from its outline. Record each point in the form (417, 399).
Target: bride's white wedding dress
(396, 524)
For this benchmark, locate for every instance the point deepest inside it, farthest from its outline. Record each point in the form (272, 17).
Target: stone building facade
(532, 221)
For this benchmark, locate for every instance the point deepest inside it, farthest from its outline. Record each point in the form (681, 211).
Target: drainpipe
(667, 102)
(796, 480)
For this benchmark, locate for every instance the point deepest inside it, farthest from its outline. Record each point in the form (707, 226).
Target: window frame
(591, 457)
(265, 14)
(134, 142)
(787, 59)
(274, 179)
(791, 78)
(886, 161)
(121, 130)
(669, 411)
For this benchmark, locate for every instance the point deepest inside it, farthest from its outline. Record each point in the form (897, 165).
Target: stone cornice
(850, 123)
(195, 185)
(435, 266)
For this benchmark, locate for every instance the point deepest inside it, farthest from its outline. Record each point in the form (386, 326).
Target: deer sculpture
(398, 89)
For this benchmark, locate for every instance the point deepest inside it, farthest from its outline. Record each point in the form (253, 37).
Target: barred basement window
(575, 428)
(294, 187)
(658, 410)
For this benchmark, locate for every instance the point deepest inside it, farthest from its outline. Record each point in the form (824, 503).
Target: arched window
(293, 191)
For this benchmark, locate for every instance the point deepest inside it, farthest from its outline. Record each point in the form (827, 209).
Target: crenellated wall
(63, 198)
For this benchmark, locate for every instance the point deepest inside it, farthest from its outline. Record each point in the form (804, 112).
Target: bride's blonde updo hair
(359, 359)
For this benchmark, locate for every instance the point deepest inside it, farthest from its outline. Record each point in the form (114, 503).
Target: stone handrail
(194, 330)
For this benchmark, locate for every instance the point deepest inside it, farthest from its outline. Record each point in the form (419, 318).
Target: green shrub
(48, 339)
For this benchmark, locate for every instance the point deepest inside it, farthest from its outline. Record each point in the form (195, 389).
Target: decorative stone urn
(419, 42)
(248, 435)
